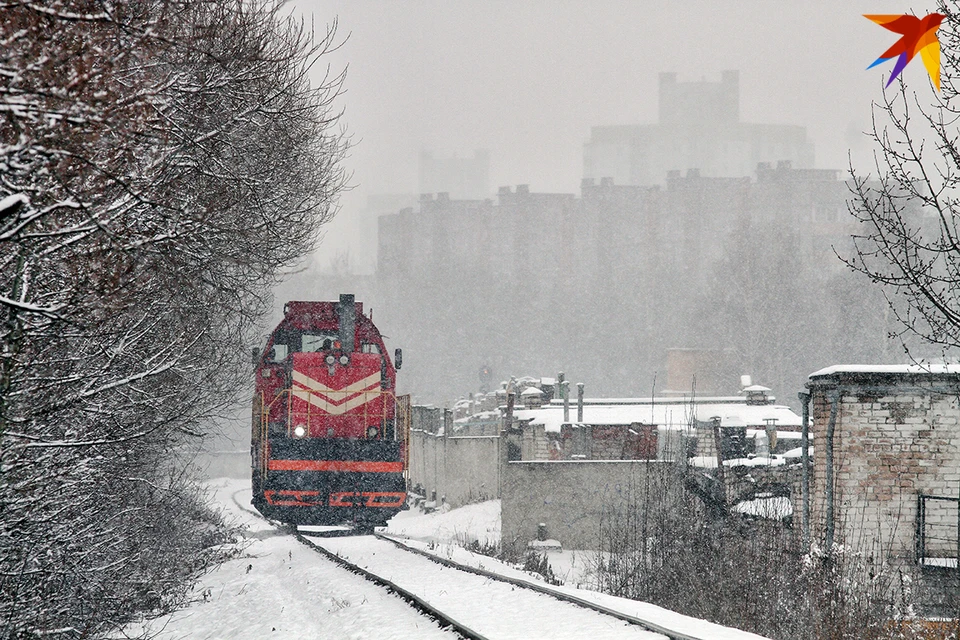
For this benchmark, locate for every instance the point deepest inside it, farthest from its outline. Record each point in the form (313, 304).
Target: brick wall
(897, 435)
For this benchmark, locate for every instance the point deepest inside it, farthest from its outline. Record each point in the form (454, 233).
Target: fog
(526, 82)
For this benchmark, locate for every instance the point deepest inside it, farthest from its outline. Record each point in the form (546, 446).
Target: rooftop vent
(758, 395)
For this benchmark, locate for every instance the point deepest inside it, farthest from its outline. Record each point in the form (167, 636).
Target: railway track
(444, 620)
(649, 625)
(477, 604)
(419, 582)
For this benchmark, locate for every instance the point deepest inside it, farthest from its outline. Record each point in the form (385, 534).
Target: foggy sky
(526, 80)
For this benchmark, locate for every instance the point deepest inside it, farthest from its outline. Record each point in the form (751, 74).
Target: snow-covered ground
(279, 588)
(449, 533)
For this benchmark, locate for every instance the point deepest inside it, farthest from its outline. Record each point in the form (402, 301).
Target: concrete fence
(570, 497)
(458, 470)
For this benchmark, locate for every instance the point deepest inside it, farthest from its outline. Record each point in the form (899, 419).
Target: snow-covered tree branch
(159, 162)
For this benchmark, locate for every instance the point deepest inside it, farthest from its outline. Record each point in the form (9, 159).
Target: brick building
(886, 468)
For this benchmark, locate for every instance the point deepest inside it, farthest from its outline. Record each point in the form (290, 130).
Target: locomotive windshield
(313, 342)
(277, 353)
(292, 341)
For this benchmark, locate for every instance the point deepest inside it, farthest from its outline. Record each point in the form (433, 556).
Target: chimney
(757, 395)
(579, 402)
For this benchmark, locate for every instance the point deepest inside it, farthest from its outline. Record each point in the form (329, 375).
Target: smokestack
(579, 402)
(347, 316)
(508, 416)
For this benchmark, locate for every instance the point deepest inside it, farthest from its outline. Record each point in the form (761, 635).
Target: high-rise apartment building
(699, 128)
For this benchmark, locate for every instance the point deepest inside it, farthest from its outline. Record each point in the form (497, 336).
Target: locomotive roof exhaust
(347, 318)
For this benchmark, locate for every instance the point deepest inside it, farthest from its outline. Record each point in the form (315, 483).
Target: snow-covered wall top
(895, 369)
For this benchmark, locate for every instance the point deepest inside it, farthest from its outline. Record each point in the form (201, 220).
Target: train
(328, 442)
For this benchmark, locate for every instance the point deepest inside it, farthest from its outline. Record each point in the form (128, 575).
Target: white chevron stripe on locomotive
(353, 395)
(315, 385)
(335, 410)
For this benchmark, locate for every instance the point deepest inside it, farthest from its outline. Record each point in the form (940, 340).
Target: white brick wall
(896, 437)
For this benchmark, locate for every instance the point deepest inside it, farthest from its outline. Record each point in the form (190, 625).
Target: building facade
(698, 127)
(605, 282)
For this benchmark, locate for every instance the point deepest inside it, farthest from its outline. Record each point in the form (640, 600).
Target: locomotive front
(326, 447)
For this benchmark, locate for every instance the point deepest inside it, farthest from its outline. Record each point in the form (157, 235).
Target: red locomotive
(326, 444)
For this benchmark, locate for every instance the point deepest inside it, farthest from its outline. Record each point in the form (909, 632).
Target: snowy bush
(676, 548)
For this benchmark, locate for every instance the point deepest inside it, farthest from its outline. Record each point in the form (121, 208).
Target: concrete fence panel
(570, 497)
(460, 470)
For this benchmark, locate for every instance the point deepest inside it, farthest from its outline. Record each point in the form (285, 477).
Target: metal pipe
(831, 427)
(805, 466)
(921, 526)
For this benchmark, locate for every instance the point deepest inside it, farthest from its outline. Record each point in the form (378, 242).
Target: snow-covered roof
(531, 391)
(676, 414)
(888, 368)
(710, 462)
(756, 388)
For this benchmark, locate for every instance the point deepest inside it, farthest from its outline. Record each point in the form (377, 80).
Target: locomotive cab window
(314, 342)
(277, 353)
(368, 347)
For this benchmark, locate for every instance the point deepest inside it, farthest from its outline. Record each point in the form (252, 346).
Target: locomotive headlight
(330, 359)
(344, 360)
(299, 431)
(372, 432)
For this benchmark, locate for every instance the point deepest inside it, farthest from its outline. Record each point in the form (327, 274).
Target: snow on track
(492, 608)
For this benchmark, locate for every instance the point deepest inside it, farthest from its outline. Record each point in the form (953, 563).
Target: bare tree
(909, 210)
(159, 162)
